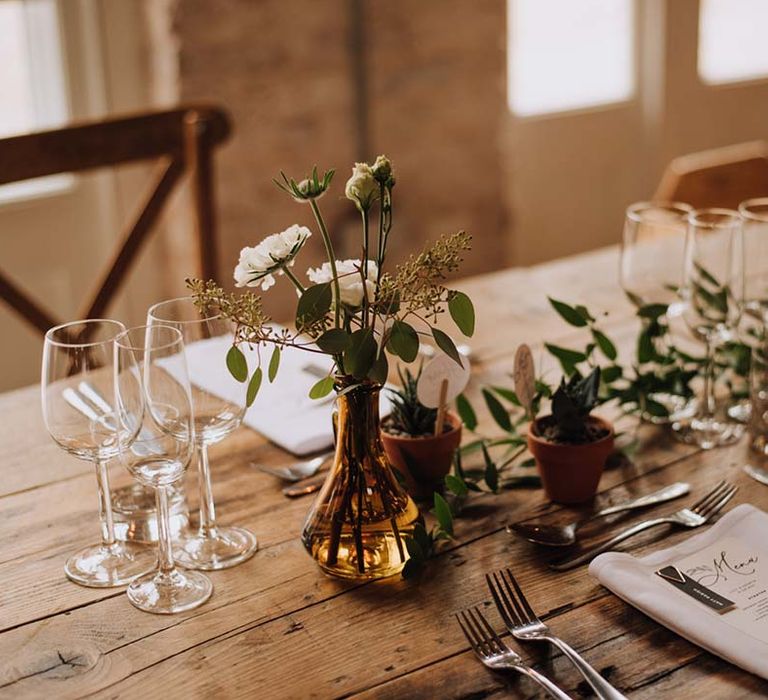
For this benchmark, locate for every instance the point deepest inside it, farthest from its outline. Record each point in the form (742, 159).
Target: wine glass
(752, 328)
(207, 338)
(154, 404)
(652, 250)
(713, 291)
(650, 270)
(74, 353)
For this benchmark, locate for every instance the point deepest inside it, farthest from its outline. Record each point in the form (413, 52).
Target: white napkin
(282, 411)
(634, 581)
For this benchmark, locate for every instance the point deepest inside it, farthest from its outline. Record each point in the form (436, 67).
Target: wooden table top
(277, 627)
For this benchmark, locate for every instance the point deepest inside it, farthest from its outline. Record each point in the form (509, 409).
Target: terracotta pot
(424, 461)
(570, 473)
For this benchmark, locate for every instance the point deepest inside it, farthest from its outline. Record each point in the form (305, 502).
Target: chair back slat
(182, 140)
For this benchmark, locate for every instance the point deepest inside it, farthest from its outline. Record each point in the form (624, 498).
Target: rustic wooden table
(277, 627)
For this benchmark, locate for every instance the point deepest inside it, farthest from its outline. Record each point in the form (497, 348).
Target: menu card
(736, 572)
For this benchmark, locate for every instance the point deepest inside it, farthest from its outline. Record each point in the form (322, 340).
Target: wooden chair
(721, 177)
(182, 139)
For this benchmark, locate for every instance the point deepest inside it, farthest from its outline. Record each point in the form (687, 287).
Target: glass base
(741, 411)
(107, 566)
(219, 548)
(708, 432)
(135, 517)
(679, 408)
(168, 593)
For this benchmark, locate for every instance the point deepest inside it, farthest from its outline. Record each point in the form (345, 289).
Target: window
(31, 82)
(564, 55)
(732, 40)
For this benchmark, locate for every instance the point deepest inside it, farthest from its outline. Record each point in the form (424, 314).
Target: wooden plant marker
(441, 381)
(524, 377)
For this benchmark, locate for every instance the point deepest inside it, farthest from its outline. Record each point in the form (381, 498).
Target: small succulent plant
(409, 416)
(571, 405)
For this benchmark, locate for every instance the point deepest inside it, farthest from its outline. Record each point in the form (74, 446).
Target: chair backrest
(721, 177)
(182, 140)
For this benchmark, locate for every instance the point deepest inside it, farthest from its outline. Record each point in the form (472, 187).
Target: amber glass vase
(357, 525)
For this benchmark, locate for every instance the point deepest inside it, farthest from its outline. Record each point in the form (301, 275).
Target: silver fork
(524, 625)
(495, 654)
(694, 516)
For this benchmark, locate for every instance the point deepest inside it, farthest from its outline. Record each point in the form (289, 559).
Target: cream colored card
(738, 572)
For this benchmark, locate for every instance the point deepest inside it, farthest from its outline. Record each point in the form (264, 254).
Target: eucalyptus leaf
(237, 364)
(314, 302)
(333, 341)
(462, 312)
(253, 387)
(360, 354)
(652, 311)
(412, 568)
(380, 369)
(403, 341)
(274, 364)
(568, 358)
(321, 388)
(445, 343)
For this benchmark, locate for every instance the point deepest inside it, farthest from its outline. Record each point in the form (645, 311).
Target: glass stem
(105, 505)
(207, 509)
(164, 547)
(709, 380)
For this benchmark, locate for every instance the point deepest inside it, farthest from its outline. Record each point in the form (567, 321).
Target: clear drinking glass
(81, 354)
(752, 326)
(207, 338)
(650, 272)
(758, 394)
(154, 404)
(713, 291)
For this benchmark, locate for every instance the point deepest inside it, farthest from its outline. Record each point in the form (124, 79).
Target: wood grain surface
(276, 627)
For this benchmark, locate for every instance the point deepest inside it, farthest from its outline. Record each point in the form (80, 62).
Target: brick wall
(289, 73)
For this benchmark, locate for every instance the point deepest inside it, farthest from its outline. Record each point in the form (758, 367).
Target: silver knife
(302, 488)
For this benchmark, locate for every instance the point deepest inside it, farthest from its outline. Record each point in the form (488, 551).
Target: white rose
(258, 265)
(350, 280)
(362, 187)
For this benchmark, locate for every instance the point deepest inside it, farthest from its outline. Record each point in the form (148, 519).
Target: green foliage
(462, 312)
(274, 364)
(423, 544)
(321, 388)
(403, 341)
(253, 387)
(444, 342)
(313, 304)
(466, 412)
(408, 414)
(237, 364)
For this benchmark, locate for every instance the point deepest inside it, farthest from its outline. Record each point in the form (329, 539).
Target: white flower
(362, 187)
(382, 170)
(258, 265)
(350, 280)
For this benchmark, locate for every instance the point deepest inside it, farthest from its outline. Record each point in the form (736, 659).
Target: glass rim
(49, 334)
(151, 312)
(726, 218)
(178, 338)
(746, 213)
(634, 211)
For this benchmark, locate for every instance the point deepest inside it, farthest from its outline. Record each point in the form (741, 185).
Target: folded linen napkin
(282, 411)
(730, 558)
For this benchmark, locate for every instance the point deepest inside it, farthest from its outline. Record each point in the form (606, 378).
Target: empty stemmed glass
(650, 272)
(73, 353)
(207, 338)
(155, 407)
(752, 328)
(712, 293)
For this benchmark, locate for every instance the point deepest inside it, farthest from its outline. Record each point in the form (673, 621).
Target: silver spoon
(564, 535)
(757, 473)
(297, 470)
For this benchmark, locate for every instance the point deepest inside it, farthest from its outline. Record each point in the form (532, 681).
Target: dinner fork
(524, 625)
(696, 515)
(495, 654)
